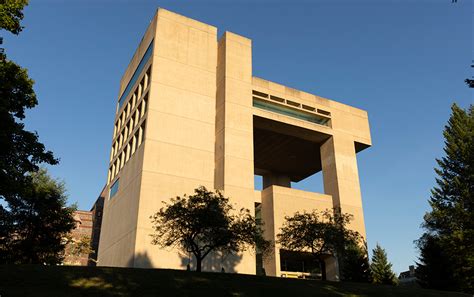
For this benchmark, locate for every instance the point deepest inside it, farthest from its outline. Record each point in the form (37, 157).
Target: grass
(74, 281)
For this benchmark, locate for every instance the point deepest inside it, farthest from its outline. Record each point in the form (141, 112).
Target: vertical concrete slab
(341, 177)
(234, 128)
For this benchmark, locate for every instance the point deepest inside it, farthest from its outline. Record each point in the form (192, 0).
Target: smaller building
(96, 213)
(77, 248)
(408, 277)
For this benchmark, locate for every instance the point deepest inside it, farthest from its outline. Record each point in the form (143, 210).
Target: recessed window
(285, 110)
(293, 103)
(260, 94)
(308, 108)
(136, 74)
(278, 99)
(324, 112)
(114, 189)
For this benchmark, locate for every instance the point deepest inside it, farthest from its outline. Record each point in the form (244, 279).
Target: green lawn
(91, 281)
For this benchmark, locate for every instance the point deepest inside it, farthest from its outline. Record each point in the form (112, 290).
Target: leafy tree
(11, 13)
(381, 268)
(203, 223)
(33, 212)
(77, 247)
(320, 233)
(356, 265)
(37, 224)
(449, 235)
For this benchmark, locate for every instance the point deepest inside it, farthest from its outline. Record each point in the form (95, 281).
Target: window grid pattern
(129, 128)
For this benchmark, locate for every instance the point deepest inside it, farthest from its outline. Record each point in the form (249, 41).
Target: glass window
(136, 74)
(114, 189)
(288, 111)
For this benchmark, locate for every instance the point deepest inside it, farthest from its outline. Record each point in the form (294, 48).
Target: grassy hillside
(90, 281)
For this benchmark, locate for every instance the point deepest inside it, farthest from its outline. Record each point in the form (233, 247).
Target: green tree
(449, 226)
(38, 223)
(320, 233)
(356, 265)
(11, 13)
(206, 222)
(33, 212)
(381, 268)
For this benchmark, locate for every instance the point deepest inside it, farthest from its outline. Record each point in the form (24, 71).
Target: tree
(320, 233)
(38, 223)
(449, 226)
(435, 268)
(381, 268)
(203, 223)
(11, 13)
(356, 265)
(33, 212)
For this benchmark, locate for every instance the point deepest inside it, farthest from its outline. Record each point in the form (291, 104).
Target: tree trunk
(198, 264)
(322, 264)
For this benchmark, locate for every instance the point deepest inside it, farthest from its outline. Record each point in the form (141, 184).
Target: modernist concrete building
(189, 113)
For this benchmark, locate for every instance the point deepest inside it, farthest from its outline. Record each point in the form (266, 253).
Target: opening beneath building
(258, 182)
(299, 265)
(313, 183)
(286, 155)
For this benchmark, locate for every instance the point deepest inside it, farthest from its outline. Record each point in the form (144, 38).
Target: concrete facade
(190, 113)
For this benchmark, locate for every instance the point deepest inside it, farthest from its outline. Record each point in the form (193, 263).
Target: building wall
(82, 231)
(179, 142)
(198, 129)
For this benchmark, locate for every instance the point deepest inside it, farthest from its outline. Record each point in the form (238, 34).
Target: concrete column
(341, 178)
(271, 179)
(332, 269)
(234, 166)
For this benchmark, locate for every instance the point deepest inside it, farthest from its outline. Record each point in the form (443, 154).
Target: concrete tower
(190, 113)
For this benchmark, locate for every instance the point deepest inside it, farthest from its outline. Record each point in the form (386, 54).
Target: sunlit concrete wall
(199, 131)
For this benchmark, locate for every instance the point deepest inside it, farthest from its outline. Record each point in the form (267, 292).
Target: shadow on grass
(106, 281)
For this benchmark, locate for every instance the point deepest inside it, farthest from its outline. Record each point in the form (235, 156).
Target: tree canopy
(34, 217)
(206, 222)
(37, 223)
(449, 226)
(320, 233)
(11, 13)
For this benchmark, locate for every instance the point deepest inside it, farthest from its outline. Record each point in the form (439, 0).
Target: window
(141, 132)
(122, 159)
(127, 156)
(284, 110)
(136, 74)
(134, 143)
(114, 189)
(134, 99)
(143, 105)
(128, 110)
(130, 129)
(137, 116)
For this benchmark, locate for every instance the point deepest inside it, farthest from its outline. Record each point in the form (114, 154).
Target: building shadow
(214, 262)
(140, 260)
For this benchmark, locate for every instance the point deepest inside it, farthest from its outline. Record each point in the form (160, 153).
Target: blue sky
(403, 61)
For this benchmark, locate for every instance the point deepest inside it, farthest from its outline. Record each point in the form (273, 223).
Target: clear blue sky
(403, 61)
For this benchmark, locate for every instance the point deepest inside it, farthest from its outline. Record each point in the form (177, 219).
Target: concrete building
(190, 113)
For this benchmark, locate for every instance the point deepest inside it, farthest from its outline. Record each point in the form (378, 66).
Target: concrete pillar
(234, 165)
(341, 178)
(271, 179)
(332, 269)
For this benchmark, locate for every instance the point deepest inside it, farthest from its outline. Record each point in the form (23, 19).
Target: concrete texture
(196, 116)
